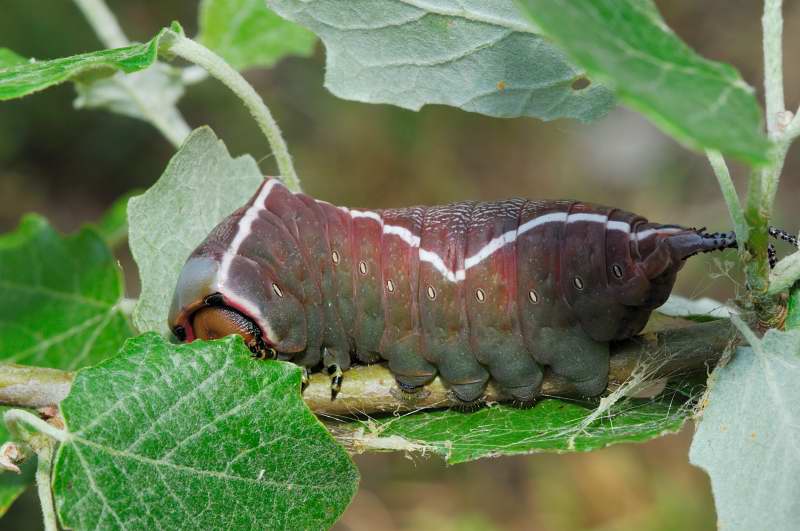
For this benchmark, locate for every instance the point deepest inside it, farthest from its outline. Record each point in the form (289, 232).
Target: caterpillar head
(244, 299)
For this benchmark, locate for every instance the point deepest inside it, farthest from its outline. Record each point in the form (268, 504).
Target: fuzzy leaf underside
(196, 436)
(748, 436)
(478, 56)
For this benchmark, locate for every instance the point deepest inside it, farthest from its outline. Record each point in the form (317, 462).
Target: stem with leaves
(752, 224)
(163, 116)
(217, 67)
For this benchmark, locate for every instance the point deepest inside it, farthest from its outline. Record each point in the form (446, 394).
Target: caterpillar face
(468, 291)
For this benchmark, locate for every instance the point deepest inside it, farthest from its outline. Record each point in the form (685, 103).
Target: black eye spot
(578, 282)
(580, 83)
(180, 333)
(215, 299)
(617, 270)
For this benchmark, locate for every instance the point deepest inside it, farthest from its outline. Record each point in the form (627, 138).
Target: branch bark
(372, 390)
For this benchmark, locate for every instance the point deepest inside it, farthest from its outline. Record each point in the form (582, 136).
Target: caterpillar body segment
(469, 291)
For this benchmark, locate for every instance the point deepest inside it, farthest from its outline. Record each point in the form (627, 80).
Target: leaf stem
(720, 168)
(772, 23)
(43, 477)
(217, 67)
(14, 418)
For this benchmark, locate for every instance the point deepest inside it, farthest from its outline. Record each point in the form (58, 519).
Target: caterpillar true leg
(335, 373)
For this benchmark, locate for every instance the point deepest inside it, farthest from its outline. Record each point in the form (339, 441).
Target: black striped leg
(772, 256)
(335, 373)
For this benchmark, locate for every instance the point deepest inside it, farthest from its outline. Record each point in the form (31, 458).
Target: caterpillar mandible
(469, 291)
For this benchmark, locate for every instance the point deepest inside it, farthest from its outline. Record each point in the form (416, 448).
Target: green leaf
(785, 273)
(748, 434)
(626, 45)
(196, 436)
(479, 56)
(200, 187)
(29, 77)
(550, 426)
(793, 308)
(113, 226)
(10, 58)
(13, 485)
(61, 296)
(247, 34)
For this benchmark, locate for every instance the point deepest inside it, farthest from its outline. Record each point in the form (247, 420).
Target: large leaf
(197, 436)
(201, 185)
(749, 433)
(246, 33)
(26, 78)
(550, 426)
(479, 56)
(626, 45)
(60, 296)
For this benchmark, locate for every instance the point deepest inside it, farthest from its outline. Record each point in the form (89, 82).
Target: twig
(217, 67)
(372, 389)
(32, 387)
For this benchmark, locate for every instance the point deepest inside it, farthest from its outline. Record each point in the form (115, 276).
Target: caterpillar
(467, 291)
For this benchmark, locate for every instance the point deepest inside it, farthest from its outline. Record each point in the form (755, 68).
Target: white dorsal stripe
(406, 235)
(243, 230)
(366, 214)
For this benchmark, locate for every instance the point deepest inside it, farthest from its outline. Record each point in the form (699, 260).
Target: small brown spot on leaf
(501, 86)
(580, 83)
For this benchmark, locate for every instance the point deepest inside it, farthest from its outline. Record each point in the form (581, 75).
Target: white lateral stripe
(618, 225)
(366, 214)
(436, 261)
(490, 248)
(244, 228)
(582, 216)
(406, 235)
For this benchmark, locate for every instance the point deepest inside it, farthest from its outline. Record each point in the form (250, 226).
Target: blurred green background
(70, 165)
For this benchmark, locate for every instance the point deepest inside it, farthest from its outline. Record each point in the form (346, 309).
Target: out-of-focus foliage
(247, 34)
(62, 296)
